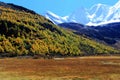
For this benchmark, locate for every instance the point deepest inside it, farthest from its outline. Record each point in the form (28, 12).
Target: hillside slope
(24, 33)
(109, 33)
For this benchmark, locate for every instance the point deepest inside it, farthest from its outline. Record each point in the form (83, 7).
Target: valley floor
(80, 68)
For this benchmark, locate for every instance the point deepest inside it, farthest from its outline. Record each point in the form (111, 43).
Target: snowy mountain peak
(55, 18)
(117, 5)
(98, 6)
(79, 16)
(51, 14)
(98, 14)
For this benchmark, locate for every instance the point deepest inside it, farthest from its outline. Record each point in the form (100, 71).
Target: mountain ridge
(16, 7)
(98, 14)
(108, 33)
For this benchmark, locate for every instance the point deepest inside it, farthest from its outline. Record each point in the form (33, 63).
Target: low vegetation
(84, 68)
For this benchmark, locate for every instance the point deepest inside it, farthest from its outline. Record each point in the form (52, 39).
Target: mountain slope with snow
(55, 18)
(97, 15)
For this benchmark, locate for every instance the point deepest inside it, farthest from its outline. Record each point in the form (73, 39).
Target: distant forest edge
(23, 32)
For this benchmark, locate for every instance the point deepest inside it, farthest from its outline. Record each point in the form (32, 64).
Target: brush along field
(80, 68)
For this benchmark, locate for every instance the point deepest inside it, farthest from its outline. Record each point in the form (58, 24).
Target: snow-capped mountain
(79, 16)
(55, 18)
(97, 15)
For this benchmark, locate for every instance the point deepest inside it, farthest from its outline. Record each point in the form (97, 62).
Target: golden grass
(84, 68)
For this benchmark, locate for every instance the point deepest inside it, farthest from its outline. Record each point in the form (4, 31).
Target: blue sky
(59, 7)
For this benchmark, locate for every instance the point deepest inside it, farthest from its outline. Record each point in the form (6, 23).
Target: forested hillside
(25, 33)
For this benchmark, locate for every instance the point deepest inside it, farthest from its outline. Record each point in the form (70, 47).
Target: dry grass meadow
(80, 68)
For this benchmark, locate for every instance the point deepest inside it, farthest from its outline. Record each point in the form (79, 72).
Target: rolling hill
(108, 33)
(23, 32)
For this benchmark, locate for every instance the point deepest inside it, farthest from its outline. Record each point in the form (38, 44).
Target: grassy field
(81, 68)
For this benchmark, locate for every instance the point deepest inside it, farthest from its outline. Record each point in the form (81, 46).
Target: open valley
(80, 68)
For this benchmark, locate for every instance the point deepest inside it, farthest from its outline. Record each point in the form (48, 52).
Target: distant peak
(52, 14)
(97, 14)
(99, 5)
(117, 5)
(49, 12)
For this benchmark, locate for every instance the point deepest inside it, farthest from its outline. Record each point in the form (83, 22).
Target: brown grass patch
(70, 68)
